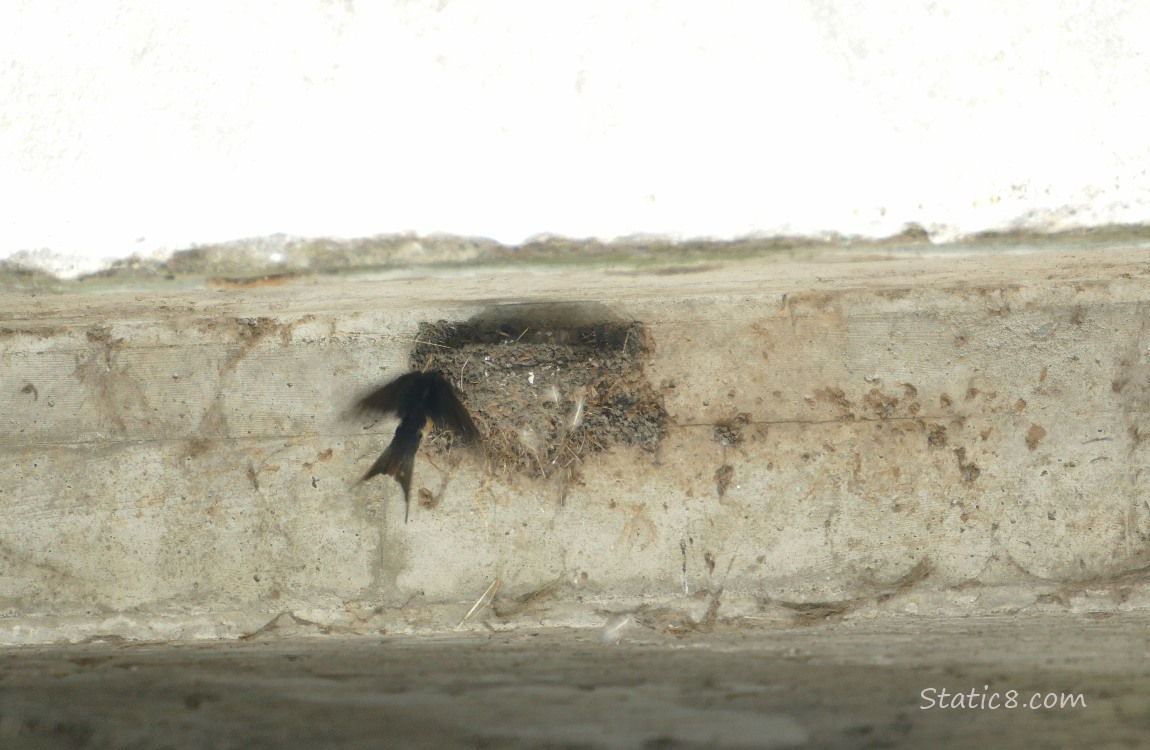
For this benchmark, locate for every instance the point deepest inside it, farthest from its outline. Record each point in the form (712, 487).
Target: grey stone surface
(932, 435)
(1052, 681)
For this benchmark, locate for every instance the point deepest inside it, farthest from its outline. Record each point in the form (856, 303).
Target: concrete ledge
(950, 435)
(1018, 681)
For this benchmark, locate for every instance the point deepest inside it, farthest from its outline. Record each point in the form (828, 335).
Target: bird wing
(447, 411)
(394, 397)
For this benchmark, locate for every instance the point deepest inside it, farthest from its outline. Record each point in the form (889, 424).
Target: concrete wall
(914, 435)
(963, 434)
(133, 127)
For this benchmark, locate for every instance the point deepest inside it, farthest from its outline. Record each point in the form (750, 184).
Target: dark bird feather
(419, 399)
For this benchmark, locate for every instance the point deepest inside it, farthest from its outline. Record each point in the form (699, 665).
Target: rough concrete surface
(943, 436)
(871, 477)
(1053, 681)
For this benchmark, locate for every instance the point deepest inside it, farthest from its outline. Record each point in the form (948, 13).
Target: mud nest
(546, 393)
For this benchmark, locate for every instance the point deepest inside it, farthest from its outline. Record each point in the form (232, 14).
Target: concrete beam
(952, 435)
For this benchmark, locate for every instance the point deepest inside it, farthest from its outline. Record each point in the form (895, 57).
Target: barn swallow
(420, 400)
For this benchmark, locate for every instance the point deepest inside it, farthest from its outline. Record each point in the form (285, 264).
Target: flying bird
(420, 400)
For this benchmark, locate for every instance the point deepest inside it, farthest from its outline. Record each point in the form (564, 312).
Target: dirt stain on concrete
(1034, 436)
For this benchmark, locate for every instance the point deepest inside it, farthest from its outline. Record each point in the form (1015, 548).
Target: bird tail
(398, 461)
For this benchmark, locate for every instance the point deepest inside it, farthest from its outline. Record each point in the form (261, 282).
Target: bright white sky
(131, 127)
